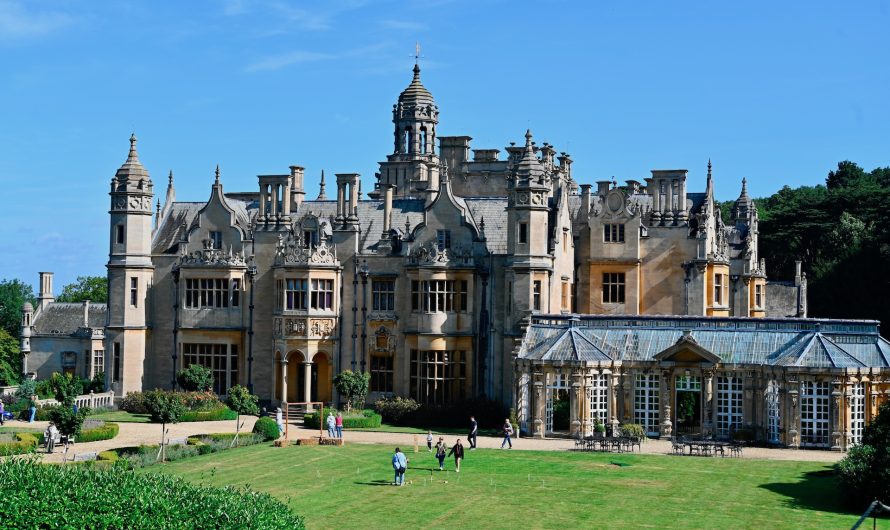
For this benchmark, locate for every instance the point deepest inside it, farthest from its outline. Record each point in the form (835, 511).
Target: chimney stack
(86, 313)
(296, 187)
(46, 290)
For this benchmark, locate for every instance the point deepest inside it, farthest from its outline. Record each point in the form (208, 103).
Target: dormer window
(443, 239)
(216, 240)
(310, 238)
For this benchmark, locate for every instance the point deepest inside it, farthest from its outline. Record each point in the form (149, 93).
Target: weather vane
(417, 55)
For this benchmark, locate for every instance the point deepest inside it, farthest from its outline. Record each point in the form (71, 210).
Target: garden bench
(85, 457)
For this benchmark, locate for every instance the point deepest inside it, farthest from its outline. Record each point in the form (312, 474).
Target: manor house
(437, 283)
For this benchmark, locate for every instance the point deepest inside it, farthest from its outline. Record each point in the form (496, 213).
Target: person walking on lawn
(474, 428)
(399, 465)
(429, 441)
(332, 423)
(338, 422)
(458, 452)
(440, 453)
(508, 432)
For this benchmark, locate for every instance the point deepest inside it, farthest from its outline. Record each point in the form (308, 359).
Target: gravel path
(133, 434)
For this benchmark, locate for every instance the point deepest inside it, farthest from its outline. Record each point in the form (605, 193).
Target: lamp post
(175, 274)
(251, 274)
(363, 271)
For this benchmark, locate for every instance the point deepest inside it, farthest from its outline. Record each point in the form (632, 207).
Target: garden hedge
(24, 442)
(224, 413)
(105, 432)
(368, 419)
(46, 496)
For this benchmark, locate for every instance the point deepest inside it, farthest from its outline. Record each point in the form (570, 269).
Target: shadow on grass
(376, 483)
(817, 490)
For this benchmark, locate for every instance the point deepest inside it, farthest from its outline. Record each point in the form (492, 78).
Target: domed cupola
(415, 116)
(132, 170)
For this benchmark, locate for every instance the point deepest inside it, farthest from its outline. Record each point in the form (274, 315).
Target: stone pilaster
(708, 408)
(538, 406)
(614, 381)
(667, 427)
(836, 415)
(793, 422)
(575, 403)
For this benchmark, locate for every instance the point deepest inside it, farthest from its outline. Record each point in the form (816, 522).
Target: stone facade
(428, 284)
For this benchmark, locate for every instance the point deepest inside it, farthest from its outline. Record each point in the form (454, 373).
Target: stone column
(283, 380)
(836, 415)
(747, 398)
(847, 414)
(275, 193)
(586, 426)
(627, 398)
(307, 381)
(872, 401)
(667, 427)
(263, 193)
(614, 381)
(538, 406)
(708, 403)
(575, 403)
(793, 422)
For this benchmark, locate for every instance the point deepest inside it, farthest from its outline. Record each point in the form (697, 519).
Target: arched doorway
(321, 378)
(295, 378)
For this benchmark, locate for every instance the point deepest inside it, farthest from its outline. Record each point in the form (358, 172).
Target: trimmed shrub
(267, 428)
(105, 432)
(633, 429)
(393, 409)
(368, 419)
(25, 442)
(37, 496)
(865, 472)
(107, 456)
(224, 413)
(195, 378)
(134, 403)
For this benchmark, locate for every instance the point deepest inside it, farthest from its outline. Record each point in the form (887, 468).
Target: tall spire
(133, 156)
(709, 169)
(216, 182)
(132, 170)
(322, 196)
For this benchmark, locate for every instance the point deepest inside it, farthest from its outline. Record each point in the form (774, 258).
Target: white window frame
(98, 364)
(815, 413)
(555, 383)
(773, 411)
(729, 404)
(647, 403)
(598, 398)
(857, 413)
(719, 285)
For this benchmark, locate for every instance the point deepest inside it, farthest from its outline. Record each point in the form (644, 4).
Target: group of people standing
(400, 461)
(335, 425)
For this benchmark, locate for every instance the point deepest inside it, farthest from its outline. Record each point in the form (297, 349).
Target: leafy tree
(13, 295)
(164, 407)
(865, 471)
(27, 388)
(10, 359)
(92, 288)
(65, 388)
(353, 386)
(241, 401)
(67, 420)
(195, 378)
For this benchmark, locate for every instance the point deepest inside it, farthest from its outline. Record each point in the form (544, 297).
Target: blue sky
(777, 92)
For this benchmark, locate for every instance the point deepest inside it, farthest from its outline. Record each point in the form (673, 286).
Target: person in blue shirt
(399, 465)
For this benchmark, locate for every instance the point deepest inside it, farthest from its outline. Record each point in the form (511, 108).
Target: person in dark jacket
(458, 452)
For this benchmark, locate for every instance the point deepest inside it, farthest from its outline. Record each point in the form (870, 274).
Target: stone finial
(217, 175)
(528, 138)
(407, 225)
(170, 179)
(133, 154)
(709, 168)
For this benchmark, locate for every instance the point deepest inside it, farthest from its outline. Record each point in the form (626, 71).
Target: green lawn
(120, 416)
(349, 488)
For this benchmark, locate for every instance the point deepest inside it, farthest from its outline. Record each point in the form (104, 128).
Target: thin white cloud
(403, 25)
(17, 22)
(277, 62)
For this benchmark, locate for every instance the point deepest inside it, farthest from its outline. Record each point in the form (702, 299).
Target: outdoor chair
(677, 447)
(735, 449)
(719, 448)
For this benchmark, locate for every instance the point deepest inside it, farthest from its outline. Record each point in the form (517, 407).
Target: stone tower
(527, 222)
(413, 168)
(130, 273)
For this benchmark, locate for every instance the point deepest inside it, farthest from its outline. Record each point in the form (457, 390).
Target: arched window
(409, 147)
(423, 140)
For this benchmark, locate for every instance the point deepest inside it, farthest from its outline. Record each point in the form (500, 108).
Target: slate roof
(775, 342)
(61, 318)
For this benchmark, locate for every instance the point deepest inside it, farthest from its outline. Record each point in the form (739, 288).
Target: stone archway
(322, 378)
(295, 377)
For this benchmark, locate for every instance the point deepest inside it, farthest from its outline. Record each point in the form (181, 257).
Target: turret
(130, 272)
